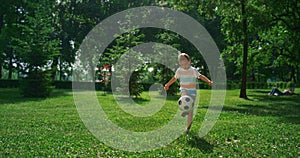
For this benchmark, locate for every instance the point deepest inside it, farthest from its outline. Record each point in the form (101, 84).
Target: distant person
(275, 91)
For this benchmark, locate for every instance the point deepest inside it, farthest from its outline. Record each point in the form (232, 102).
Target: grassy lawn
(263, 126)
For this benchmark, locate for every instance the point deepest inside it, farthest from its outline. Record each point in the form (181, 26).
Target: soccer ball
(186, 103)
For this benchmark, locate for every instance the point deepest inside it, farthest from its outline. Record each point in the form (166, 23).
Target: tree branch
(281, 18)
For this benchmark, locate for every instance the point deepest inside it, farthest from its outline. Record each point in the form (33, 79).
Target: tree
(274, 49)
(243, 91)
(241, 20)
(10, 13)
(74, 19)
(36, 45)
(281, 35)
(162, 73)
(125, 70)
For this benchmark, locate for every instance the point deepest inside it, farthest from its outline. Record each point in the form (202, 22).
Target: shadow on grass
(140, 100)
(13, 96)
(60, 92)
(287, 115)
(200, 144)
(137, 100)
(143, 100)
(261, 104)
(262, 91)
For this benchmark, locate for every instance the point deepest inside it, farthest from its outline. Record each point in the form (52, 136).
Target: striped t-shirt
(187, 77)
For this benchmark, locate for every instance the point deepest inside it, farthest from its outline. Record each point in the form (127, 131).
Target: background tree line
(258, 39)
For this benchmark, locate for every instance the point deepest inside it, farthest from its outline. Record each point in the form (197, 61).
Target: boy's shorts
(190, 92)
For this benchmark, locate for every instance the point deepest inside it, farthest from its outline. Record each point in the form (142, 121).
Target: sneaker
(184, 114)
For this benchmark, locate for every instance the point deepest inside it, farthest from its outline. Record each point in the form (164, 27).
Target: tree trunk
(60, 70)
(243, 93)
(1, 22)
(293, 77)
(1, 25)
(253, 78)
(0, 71)
(10, 68)
(297, 74)
(92, 68)
(60, 73)
(54, 68)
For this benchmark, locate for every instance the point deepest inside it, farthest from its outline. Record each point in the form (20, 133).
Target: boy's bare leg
(190, 114)
(190, 120)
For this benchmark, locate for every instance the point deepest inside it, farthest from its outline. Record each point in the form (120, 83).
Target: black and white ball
(185, 103)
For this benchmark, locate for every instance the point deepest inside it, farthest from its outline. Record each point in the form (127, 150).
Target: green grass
(263, 126)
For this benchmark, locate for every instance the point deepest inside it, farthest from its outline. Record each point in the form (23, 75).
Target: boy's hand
(166, 87)
(210, 83)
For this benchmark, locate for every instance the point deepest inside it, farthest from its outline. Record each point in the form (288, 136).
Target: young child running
(187, 76)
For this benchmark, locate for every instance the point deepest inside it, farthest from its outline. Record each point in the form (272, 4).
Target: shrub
(135, 87)
(100, 86)
(290, 84)
(37, 84)
(63, 84)
(9, 83)
(261, 85)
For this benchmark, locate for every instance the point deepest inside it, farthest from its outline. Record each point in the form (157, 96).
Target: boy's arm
(205, 79)
(170, 83)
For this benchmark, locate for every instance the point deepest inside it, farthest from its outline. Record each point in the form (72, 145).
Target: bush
(9, 83)
(290, 84)
(36, 85)
(232, 85)
(145, 86)
(62, 84)
(163, 75)
(203, 85)
(260, 85)
(99, 86)
(135, 87)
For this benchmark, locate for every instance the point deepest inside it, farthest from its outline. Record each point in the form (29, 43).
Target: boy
(187, 75)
